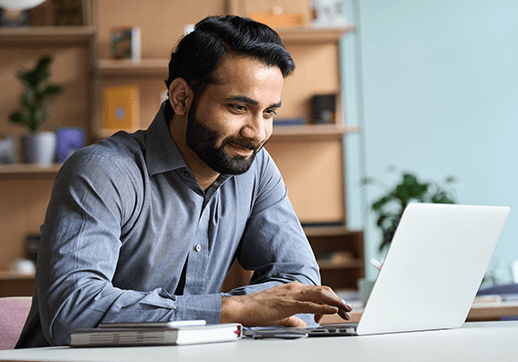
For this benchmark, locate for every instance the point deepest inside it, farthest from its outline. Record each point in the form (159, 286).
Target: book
(155, 336)
(69, 140)
(121, 107)
(289, 121)
(126, 43)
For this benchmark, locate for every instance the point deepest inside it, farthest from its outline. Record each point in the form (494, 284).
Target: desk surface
(482, 341)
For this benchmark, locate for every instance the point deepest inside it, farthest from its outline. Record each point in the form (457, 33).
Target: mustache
(243, 143)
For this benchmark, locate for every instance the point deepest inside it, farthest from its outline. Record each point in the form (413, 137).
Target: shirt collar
(162, 154)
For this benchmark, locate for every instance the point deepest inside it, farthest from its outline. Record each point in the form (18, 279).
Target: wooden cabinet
(340, 255)
(310, 157)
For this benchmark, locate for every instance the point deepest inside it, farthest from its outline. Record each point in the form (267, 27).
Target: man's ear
(180, 96)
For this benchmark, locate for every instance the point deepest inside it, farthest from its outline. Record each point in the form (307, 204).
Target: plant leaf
(51, 90)
(19, 117)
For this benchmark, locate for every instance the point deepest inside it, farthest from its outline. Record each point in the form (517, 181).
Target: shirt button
(197, 248)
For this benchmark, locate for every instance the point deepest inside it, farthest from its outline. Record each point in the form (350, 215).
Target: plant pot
(39, 148)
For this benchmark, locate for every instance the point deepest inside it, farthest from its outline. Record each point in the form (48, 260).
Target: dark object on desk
(139, 336)
(499, 289)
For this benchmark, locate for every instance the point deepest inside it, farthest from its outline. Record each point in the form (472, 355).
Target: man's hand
(278, 305)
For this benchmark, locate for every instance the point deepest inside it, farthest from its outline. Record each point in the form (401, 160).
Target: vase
(39, 148)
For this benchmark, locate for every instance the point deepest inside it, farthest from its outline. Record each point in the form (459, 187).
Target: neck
(204, 174)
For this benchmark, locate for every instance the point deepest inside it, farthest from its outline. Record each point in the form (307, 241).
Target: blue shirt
(126, 217)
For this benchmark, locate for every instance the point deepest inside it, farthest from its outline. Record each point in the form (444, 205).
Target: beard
(202, 141)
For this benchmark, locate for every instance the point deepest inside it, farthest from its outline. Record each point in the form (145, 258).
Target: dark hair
(199, 53)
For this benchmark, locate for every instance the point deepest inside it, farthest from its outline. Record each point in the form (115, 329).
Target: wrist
(230, 309)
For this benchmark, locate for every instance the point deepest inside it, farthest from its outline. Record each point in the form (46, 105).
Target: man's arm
(286, 275)
(93, 198)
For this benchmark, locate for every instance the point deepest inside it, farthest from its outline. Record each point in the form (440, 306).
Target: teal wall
(434, 83)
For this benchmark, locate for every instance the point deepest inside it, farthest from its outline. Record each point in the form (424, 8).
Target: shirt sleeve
(79, 251)
(274, 244)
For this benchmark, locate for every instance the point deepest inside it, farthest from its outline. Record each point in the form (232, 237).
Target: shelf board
(314, 130)
(14, 275)
(298, 35)
(329, 265)
(133, 67)
(328, 230)
(47, 34)
(29, 169)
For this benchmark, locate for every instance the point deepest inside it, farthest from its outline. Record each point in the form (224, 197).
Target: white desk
(483, 341)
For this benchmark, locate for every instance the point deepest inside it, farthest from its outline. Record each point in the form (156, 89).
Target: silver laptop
(432, 271)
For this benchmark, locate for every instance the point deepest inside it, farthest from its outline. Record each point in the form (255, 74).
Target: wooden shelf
(107, 67)
(13, 275)
(311, 231)
(314, 130)
(326, 265)
(340, 255)
(29, 169)
(294, 35)
(47, 34)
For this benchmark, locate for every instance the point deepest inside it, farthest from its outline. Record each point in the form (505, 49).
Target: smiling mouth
(241, 151)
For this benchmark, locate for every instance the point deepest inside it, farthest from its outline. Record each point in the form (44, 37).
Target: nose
(257, 128)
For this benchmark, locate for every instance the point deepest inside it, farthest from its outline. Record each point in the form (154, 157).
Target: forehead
(245, 75)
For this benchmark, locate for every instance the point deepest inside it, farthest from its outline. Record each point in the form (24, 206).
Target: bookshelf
(310, 157)
(26, 188)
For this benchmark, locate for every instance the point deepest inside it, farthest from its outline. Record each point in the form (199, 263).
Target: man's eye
(238, 108)
(270, 113)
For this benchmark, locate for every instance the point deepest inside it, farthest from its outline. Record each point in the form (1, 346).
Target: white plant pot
(39, 148)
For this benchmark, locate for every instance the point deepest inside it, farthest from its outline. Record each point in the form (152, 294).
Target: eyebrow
(248, 100)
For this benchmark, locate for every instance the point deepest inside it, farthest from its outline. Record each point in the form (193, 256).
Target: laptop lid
(433, 269)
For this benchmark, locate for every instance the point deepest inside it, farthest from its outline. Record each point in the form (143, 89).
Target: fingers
(325, 295)
(279, 304)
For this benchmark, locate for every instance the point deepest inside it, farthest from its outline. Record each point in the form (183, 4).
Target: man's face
(232, 119)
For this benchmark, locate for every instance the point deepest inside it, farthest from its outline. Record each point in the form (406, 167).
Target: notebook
(431, 273)
(155, 334)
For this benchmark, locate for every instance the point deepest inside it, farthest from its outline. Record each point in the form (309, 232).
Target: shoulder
(120, 158)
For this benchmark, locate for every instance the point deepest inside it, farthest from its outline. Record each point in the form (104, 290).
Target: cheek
(269, 128)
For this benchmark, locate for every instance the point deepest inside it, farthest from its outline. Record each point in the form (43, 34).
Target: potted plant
(37, 147)
(389, 207)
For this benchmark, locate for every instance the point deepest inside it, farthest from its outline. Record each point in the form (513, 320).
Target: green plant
(37, 95)
(389, 207)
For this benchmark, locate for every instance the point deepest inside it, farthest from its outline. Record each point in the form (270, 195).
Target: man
(144, 227)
